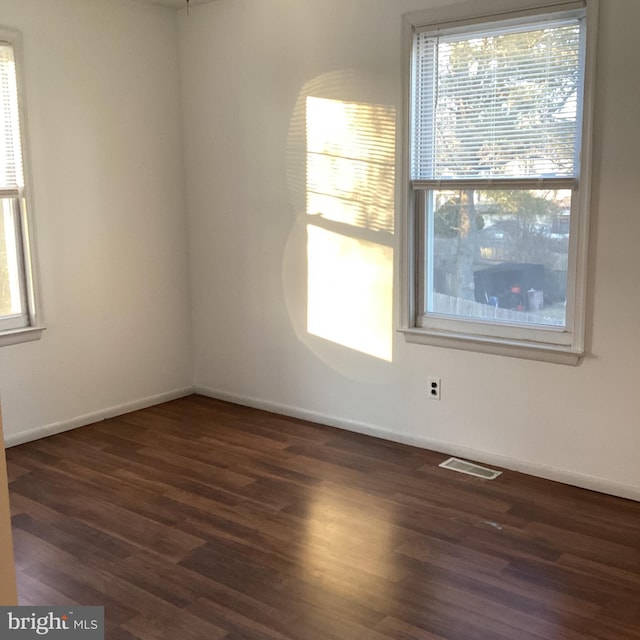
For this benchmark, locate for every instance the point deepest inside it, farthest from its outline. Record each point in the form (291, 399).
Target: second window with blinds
(498, 178)
(19, 321)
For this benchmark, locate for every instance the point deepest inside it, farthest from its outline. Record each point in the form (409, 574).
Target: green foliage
(447, 219)
(525, 208)
(520, 213)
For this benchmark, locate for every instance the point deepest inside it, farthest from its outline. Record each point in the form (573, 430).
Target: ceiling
(175, 4)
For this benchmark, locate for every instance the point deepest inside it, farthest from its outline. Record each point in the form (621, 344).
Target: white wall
(246, 67)
(104, 119)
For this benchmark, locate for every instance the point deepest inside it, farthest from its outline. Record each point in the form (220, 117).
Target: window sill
(495, 346)
(18, 336)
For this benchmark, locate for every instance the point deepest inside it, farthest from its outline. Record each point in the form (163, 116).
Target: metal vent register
(462, 466)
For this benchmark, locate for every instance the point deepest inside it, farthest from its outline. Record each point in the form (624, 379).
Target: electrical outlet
(434, 388)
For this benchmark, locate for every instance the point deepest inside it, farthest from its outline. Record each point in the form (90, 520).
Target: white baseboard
(12, 440)
(593, 483)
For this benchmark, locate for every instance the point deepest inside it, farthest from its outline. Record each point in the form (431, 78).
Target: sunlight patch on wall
(350, 156)
(350, 284)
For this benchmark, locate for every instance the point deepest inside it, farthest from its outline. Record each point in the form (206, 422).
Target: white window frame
(28, 326)
(565, 347)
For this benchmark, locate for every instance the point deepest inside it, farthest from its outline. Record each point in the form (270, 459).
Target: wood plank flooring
(202, 520)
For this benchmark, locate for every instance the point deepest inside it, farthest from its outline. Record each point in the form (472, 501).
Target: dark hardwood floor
(198, 519)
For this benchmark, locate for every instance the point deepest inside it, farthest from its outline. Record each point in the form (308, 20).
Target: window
(18, 321)
(498, 178)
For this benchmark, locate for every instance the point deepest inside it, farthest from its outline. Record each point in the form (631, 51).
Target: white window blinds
(498, 103)
(11, 175)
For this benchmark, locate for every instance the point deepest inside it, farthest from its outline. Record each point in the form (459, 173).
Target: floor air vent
(455, 464)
